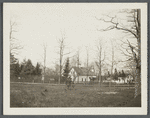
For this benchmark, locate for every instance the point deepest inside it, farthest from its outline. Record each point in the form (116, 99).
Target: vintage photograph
(78, 55)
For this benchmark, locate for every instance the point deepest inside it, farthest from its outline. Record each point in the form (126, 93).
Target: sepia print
(75, 56)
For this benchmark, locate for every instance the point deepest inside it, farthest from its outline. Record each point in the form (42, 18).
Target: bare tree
(78, 60)
(56, 72)
(78, 57)
(44, 57)
(131, 69)
(73, 61)
(62, 46)
(100, 58)
(87, 61)
(14, 46)
(112, 65)
(114, 62)
(133, 52)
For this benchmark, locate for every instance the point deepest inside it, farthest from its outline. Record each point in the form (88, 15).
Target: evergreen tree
(66, 70)
(13, 60)
(17, 69)
(27, 68)
(22, 67)
(108, 74)
(37, 69)
(13, 66)
(116, 74)
(119, 75)
(24, 61)
(33, 71)
(123, 74)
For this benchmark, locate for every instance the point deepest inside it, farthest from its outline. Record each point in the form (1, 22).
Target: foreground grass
(45, 95)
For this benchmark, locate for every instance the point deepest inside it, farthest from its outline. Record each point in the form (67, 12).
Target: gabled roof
(83, 71)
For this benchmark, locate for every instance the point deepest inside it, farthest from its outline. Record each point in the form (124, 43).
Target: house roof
(83, 71)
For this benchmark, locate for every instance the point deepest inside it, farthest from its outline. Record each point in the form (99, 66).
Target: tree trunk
(60, 65)
(137, 82)
(138, 63)
(100, 76)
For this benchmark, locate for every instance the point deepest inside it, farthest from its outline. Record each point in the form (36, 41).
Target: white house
(81, 74)
(127, 79)
(120, 80)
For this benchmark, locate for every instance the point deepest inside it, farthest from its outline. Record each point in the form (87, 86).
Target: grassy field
(45, 95)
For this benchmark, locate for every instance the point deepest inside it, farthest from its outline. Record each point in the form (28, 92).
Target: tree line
(24, 69)
(29, 73)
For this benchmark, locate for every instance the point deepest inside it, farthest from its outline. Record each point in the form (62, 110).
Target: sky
(39, 24)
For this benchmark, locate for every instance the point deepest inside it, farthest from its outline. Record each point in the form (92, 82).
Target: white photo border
(77, 110)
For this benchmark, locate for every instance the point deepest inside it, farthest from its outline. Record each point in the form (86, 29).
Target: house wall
(82, 79)
(78, 79)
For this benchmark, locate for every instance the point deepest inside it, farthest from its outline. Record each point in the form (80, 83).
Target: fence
(34, 79)
(38, 79)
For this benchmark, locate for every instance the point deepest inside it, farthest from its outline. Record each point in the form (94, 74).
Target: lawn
(46, 95)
